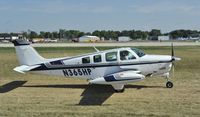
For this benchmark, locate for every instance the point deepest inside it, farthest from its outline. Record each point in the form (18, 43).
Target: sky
(90, 15)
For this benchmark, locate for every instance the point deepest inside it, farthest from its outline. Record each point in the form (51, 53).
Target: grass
(48, 96)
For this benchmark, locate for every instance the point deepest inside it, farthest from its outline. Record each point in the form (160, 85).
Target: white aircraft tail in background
(116, 67)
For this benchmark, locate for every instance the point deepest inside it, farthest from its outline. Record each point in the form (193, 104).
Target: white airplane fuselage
(148, 65)
(115, 67)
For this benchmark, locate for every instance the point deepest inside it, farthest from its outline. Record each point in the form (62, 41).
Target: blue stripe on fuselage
(44, 67)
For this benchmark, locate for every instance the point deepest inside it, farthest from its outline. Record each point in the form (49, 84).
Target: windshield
(139, 52)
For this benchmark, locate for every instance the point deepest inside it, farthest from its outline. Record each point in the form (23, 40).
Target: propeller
(172, 47)
(169, 84)
(172, 59)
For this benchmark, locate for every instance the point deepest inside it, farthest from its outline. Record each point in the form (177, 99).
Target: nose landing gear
(169, 84)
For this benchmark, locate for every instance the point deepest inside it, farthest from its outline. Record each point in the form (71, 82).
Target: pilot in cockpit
(124, 55)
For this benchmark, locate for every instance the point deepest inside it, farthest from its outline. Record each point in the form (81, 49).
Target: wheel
(120, 90)
(169, 84)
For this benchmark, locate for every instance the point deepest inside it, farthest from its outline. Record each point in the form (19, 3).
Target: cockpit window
(126, 55)
(139, 52)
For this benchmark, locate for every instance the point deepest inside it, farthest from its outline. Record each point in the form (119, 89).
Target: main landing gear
(120, 90)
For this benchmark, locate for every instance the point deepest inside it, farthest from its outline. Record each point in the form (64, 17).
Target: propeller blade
(173, 65)
(172, 46)
(173, 59)
(172, 52)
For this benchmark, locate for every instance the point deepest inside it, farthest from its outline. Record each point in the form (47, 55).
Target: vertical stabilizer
(26, 54)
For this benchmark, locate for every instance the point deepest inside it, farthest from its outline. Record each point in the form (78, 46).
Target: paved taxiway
(107, 44)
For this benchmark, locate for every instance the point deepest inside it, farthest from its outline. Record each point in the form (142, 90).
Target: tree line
(106, 34)
(109, 34)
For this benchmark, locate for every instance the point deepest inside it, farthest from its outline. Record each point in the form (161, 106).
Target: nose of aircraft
(176, 58)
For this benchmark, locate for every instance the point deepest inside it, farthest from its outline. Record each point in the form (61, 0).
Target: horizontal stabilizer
(25, 68)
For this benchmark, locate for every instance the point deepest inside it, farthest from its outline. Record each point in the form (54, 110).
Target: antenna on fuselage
(96, 49)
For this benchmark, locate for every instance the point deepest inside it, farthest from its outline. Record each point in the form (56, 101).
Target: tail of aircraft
(26, 54)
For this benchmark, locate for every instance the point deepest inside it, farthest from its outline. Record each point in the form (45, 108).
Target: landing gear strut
(119, 88)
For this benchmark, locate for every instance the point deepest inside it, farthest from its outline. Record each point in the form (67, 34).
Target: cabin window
(86, 60)
(58, 62)
(97, 58)
(111, 56)
(126, 55)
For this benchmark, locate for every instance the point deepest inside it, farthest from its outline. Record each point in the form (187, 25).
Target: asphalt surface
(107, 44)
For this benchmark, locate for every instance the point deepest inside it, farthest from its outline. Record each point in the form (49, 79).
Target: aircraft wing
(25, 68)
(119, 78)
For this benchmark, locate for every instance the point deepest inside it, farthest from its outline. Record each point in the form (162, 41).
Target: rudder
(26, 54)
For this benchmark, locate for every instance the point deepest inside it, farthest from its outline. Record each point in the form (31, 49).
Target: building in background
(163, 38)
(37, 40)
(89, 39)
(4, 37)
(124, 39)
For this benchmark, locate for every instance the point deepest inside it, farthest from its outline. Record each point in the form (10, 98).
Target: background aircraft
(115, 67)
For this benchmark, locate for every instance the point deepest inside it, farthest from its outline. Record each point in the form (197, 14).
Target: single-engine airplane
(115, 67)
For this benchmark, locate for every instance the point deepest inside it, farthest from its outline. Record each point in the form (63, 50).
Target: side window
(126, 55)
(111, 56)
(97, 58)
(86, 60)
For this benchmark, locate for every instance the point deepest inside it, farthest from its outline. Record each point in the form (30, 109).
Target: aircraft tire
(169, 84)
(120, 90)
